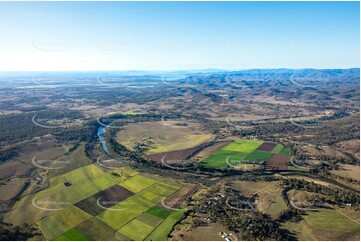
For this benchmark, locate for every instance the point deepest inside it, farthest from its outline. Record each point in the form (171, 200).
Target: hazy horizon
(169, 36)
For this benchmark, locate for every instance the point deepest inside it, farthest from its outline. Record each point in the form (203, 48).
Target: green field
(244, 146)
(136, 230)
(159, 212)
(219, 158)
(58, 223)
(285, 151)
(277, 149)
(280, 149)
(241, 151)
(258, 155)
(72, 235)
(236, 151)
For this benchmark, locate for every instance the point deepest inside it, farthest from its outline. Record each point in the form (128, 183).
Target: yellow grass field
(164, 136)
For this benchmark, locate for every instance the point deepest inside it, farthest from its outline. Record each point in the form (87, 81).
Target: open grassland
(14, 169)
(348, 171)
(331, 220)
(301, 230)
(75, 159)
(325, 224)
(58, 223)
(277, 206)
(270, 201)
(11, 189)
(209, 232)
(248, 188)
(164, 138)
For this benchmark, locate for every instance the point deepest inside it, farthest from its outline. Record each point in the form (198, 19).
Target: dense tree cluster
(17, 233)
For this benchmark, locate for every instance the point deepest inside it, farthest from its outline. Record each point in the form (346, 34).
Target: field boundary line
(348, 216)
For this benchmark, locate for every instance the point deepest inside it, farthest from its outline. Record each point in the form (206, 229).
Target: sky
(72, 36)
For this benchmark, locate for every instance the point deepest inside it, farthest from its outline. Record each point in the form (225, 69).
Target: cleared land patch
(271, 202)
(211, 149)
(163, 137)
(348, 171)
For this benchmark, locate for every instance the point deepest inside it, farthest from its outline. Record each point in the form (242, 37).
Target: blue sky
(178, 35)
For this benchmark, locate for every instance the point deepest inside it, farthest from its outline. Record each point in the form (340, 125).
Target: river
(101, 130)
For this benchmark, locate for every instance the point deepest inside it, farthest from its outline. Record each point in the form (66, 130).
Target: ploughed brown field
(278, 161)
(113, 194)
(267, 146)
(178, 156)
(177, 198)
(109, 197)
